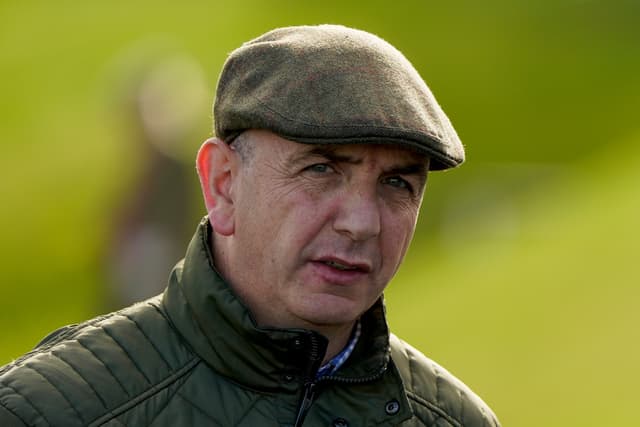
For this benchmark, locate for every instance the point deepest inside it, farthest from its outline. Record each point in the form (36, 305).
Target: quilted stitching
(151, 391)
(11, 419)
(432, 387)
(200, 410)
(106, 366)
(19, 397)
(126, 353)
(57, 388)
(70, 361)
(84, 379)
(146, 336)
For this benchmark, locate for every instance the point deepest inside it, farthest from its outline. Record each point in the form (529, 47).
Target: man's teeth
(339, 266)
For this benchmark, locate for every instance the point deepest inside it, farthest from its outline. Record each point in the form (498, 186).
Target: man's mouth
(339, 266)
(343, 265)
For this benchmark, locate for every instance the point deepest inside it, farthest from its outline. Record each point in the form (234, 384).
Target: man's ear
(216, 164)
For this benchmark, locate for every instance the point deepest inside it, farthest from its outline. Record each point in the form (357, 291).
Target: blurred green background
(523, 278)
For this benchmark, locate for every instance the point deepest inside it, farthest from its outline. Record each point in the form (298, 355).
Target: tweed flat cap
(332, 84)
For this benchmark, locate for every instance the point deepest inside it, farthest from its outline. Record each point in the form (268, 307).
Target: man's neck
(338, 339)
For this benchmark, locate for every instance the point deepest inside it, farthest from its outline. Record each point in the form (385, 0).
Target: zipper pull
(314, 349)
(305, 404)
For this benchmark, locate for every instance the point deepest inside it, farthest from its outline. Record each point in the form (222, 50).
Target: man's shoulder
(81, 373)
(434, 390)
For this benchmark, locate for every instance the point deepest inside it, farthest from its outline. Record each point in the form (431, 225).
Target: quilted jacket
(194, 357)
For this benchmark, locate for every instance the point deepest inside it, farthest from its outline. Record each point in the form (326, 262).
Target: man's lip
(352, 265)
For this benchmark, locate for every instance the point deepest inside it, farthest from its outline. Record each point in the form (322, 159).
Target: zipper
(317, 349)
(311, 383)
(361, 380)
(305, 403)
(311, 386)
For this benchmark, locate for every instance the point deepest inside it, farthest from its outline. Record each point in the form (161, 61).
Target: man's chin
(331, 311)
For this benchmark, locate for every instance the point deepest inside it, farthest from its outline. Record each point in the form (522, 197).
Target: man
(275, 316)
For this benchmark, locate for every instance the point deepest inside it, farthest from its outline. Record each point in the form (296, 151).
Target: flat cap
(332, 84)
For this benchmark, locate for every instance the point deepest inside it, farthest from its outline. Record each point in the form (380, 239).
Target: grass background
(523, 276)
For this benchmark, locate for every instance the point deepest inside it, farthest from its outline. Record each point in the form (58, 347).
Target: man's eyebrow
(328, 152)
(411, 169)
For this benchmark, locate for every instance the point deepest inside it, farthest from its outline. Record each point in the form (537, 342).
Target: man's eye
(319, 168)
(398, 182)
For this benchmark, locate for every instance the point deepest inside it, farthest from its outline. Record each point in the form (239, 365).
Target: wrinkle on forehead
(357, 153)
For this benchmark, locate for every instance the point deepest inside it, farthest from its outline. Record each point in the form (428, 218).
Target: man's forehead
(395, 156)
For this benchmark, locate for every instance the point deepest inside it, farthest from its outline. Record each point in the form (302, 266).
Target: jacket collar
(220, 329)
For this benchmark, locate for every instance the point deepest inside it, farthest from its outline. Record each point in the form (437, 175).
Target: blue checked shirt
(338, 360)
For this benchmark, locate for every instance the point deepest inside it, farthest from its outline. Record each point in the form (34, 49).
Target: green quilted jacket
(194, 357)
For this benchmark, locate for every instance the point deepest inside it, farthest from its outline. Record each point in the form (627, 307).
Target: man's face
(320, 229)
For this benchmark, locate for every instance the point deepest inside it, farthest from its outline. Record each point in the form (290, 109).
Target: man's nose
(358, 215)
